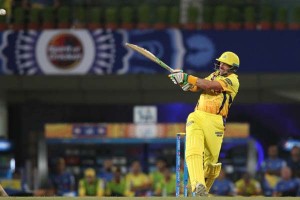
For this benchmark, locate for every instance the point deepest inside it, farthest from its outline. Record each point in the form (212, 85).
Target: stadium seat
(220, 17)
(295, 19)
(266, 17)
(192, 18)
(249, 18)
(281, 19)
(19, 18)
(127, 17)
(161, 17)
(111, 18)
(173, 17)
(34, 19)
(94, 17)
(79, 16)
(63, 17)
(48, 21)
(234, 19)
(143, 17)
(3, 24)
(207, 15)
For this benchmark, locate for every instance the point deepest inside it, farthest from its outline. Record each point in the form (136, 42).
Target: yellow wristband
(192, 79)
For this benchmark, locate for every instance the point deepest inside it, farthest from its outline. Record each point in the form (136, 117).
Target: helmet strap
(217, 65)
(232, 69)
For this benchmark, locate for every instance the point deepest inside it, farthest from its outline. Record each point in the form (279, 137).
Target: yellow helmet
(90, 172)
(231, 59)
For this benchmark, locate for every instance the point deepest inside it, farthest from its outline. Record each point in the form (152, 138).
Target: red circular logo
(65, 51)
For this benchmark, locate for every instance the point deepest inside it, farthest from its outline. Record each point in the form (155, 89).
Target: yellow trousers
(204, 137)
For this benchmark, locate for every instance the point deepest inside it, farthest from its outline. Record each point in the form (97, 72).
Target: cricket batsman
(205, 126)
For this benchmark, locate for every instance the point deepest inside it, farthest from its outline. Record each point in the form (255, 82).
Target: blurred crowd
(111, 181)
(275, 177)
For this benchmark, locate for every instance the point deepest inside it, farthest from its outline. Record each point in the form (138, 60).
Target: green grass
(145, 198)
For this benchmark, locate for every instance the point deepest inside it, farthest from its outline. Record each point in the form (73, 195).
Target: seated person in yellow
(14, 186)
(167, 186)
(116, 186)
(137, 183)
(90, 185)
(247, 186)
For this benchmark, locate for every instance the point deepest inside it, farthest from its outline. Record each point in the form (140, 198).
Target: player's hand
(174, 74)
(178, 77)
(186, 87)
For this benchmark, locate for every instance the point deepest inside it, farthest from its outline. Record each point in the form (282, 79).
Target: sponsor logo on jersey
(228, 81)
(219, 134)
(189, 123)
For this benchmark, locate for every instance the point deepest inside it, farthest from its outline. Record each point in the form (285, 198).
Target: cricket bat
(149, 55)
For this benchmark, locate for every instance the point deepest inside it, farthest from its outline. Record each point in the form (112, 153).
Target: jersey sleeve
(229, 83)
(196, 89)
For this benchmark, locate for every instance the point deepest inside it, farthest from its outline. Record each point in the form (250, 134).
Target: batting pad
(212, 171)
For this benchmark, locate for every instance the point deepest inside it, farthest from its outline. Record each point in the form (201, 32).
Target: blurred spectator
(269, 182)
(116, 187)
(247, 186)
(62, 181)
(90, 185)
(25, 4)
(167, 185)
(57, 4)
(41, 3)
(273, 164)
(287, 186)
(137, 183)
(223, 186)
(157, 175)
(106, 172)
(15, 186)
(294, 161)
(182, 175)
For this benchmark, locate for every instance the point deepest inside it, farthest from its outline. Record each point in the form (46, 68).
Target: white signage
(145, 114)
(146, 131)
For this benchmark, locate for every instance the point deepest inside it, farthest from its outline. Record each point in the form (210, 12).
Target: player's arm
(189, 87)
(204, 84)
(195, 88)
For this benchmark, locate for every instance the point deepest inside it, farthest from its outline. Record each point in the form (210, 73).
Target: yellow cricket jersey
(218, 102)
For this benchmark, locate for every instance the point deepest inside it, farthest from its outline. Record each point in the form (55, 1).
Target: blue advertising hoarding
(68, 52)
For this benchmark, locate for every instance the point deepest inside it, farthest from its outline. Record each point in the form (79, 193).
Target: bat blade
(149, 55)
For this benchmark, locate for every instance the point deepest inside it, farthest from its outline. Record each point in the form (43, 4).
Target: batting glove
(186, 86)
(179, 77)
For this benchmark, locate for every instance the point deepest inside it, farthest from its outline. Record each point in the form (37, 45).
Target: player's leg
(211, 172)
(214, 133)
(194, 151)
